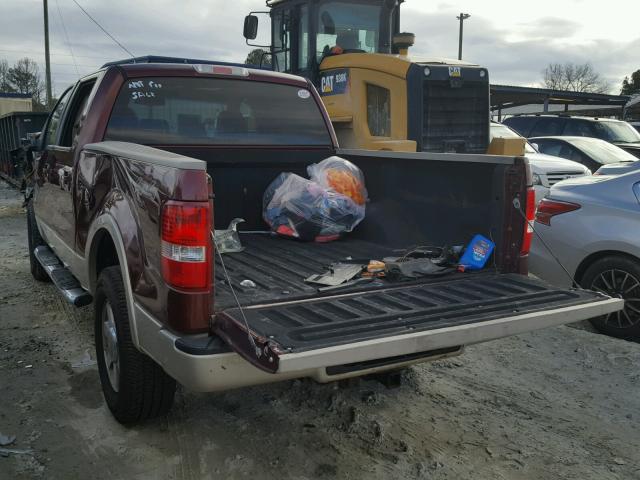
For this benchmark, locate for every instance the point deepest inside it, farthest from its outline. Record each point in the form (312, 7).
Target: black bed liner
(278, 267)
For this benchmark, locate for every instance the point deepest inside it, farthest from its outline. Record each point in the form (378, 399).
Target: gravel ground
(559, 403)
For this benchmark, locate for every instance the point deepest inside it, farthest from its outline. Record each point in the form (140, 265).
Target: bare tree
(5, 85)
(577, 78)
(25, 77)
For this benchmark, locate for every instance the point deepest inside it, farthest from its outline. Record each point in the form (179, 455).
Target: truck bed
(278, 267)
(287, 316)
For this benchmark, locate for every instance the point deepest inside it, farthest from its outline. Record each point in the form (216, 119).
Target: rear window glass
(195, 111)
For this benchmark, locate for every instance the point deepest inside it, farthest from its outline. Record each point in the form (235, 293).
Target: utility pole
(46, 52)
(462, 17)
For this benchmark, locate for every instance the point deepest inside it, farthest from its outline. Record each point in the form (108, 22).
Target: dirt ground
(559, 403)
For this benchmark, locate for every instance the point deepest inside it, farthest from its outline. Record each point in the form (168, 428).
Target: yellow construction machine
(378, 96)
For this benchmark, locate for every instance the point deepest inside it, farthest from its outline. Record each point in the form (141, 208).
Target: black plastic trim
(202, 345)
(381, 362)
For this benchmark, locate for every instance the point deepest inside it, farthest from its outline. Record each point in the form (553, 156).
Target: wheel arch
(105, 247)
(594, 257)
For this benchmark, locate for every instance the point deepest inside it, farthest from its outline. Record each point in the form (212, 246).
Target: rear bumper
(228, 370)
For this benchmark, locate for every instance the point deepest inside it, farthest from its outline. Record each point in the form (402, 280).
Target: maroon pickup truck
(141, 161)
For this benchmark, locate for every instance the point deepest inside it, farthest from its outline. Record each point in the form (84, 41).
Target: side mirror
(250, 30)
(536, 147)
(36, 141)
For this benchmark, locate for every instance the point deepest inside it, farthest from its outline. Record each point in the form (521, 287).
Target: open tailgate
(402, 320)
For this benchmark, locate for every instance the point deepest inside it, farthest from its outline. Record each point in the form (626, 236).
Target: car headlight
(536, 179)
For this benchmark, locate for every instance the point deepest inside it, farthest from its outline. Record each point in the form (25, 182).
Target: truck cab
(378, 96)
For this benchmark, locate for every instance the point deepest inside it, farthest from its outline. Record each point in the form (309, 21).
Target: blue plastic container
(477, 253)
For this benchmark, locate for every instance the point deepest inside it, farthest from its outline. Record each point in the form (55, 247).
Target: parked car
(142, 161)
(614, 131)
(592, 226)
(618, 168)
(591, 152)
(546, 170)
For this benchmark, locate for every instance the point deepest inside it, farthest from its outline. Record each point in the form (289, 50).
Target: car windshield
(502, 131)
(620, 132)
(602, 152)
(215, 111)
(351, 26)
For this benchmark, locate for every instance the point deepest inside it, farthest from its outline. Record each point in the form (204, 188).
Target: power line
(64, 28)
(36, 52)
(103, 29)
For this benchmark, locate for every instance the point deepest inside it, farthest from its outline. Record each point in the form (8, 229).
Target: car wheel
(34, 239)
(135, 388)
(617, 277)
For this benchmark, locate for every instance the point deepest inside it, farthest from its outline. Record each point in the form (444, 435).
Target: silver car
(592, 226)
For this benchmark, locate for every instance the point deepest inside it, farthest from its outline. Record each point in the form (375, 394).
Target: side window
(550, 148)
(578, 128)
(282, 40)
(522, 125)
(546, 126)
(77, 106)
(571, 153)
(379, 111)
(54, 122)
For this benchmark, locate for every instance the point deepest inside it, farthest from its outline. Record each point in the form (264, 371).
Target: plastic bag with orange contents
(342, 176)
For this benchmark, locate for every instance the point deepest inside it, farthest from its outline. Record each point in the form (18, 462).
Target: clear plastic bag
(300, 208)
(340, 175)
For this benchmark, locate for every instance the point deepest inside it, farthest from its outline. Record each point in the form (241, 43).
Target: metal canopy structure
(510, 96)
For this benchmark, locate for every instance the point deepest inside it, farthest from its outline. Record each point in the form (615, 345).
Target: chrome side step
(62, 278)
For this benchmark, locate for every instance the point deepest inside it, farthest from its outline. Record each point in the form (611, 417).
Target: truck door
(56, 210)
(50, 171)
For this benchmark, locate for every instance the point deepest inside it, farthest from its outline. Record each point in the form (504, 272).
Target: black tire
(143, 389)
(619, 277)
(34, 239)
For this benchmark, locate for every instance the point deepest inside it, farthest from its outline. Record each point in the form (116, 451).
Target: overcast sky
(514, 39)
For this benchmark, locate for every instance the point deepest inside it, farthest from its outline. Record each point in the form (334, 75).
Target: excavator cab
(378, 97)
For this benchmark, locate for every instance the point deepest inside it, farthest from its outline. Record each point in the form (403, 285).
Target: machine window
(281, 25)
(350, 26)
(379, 111)
(215, 111)
(303, 38)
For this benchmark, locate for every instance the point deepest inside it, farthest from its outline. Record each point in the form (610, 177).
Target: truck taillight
(550, 208)
(186, 245)
(530, 213)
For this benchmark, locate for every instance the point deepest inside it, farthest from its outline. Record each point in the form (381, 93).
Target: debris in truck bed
(414, 268)
(340, 175)
(228, 240)
(477, 253)
(339, 273)
(321, 209)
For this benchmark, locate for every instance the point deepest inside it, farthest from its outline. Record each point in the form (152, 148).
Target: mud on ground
(559, 403)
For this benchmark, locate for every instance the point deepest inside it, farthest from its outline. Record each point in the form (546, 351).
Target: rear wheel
(34, 239)
(134, 386)
(618, 277)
